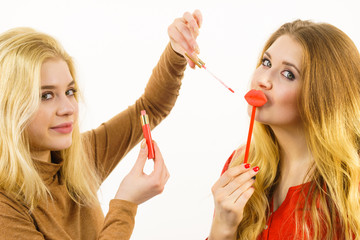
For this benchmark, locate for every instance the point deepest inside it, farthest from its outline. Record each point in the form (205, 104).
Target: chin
(61, 145)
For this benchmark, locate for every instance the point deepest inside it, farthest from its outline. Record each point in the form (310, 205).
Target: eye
(289, 75)
(266, 62)
(47, 96)
(71, 92)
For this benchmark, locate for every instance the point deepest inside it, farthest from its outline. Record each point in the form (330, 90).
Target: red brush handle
(249, 134)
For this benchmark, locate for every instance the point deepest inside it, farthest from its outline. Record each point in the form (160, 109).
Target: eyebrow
(285, 63)
(53, 87)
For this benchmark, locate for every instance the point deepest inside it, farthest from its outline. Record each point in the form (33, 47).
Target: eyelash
(268, 64)
(265, 60)
(73, 92)
(45, 95)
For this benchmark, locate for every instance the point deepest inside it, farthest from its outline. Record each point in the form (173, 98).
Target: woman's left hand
(183, 33)
(138, 187)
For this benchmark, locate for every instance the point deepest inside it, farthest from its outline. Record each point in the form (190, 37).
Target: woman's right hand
(231, 193)
(183, 33)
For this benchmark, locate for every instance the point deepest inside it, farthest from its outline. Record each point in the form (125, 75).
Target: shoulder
(10, 207)
(16, 221)
(238, 152)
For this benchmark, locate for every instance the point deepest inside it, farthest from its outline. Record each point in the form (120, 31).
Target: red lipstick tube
(147, 134)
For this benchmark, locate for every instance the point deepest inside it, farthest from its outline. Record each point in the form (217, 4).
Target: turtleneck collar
(49, 171)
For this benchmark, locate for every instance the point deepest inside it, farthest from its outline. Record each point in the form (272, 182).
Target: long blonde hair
(329, 105)
(22, 53)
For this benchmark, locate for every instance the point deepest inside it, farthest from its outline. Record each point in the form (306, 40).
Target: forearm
(221, 236)
(219, 232)
(120, 220)
(110, 142)
(163, 87)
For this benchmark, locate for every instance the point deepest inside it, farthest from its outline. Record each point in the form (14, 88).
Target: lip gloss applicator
(144, 118)
(255, 98)
(201, 64)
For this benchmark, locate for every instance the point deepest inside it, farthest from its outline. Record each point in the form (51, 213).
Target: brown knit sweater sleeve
(120, 220)
(15, 221)
(115, 138)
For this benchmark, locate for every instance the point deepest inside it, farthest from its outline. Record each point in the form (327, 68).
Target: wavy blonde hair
(22, 53)
(329, 105)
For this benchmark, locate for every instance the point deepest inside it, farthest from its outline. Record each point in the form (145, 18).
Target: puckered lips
(255, 98)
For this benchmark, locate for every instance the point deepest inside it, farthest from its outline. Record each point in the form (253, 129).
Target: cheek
(249, 110)
(289, 99)
(37, 126)
(254, 76)
(76, 109)
(43, 118)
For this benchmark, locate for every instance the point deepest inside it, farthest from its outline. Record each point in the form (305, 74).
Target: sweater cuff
(120, 220)
(123, 207)
(174, 56)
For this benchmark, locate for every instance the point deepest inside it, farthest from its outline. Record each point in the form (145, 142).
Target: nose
(264, 80)
(66, 106)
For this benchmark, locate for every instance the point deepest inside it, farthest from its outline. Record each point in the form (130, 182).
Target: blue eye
(46, 96)
(289, 75)
(71, 92)
(266, 62)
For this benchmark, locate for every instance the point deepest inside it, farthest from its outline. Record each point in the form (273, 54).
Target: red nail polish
(256, 169)
(247, 165)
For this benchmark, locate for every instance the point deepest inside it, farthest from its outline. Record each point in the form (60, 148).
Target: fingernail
(256, 169)
(197, 49)
(194, 55)
(196, 31)
(143, 144)
(247, 166)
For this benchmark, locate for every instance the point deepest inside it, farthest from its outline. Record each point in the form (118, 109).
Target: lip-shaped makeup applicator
(255, 98)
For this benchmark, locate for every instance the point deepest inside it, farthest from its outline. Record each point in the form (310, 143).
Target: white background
(116, 44)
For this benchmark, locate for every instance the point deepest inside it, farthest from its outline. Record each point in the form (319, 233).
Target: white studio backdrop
(116, 44)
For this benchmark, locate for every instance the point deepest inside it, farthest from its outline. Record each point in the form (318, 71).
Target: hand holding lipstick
(138, 187)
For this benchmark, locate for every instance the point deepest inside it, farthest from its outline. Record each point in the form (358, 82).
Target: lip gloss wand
(255, 98)
(144, 118)
(201, 64)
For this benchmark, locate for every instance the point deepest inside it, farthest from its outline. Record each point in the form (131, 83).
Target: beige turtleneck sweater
(63, 219)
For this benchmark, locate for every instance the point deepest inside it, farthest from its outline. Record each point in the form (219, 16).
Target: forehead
(285, 48)
(55, 71)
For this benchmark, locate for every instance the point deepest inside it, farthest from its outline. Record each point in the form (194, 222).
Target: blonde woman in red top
(306, 143)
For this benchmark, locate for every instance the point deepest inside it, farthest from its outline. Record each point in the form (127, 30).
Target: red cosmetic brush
(255, 98)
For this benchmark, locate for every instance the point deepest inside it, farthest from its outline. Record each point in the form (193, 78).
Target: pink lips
(63, 128)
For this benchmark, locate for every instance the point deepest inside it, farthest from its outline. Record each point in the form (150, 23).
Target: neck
(295, 160)
(44, 156)
(295, 157)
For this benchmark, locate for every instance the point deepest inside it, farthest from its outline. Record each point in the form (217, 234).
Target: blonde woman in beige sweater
(49, 172)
